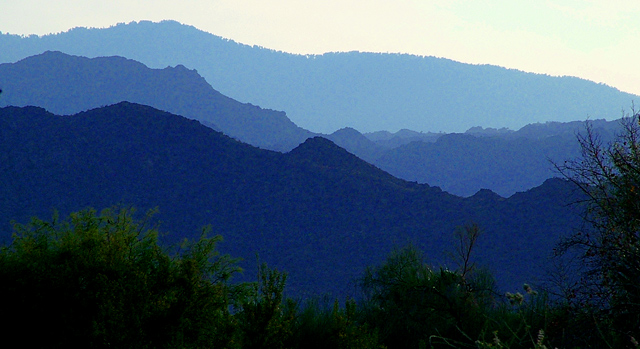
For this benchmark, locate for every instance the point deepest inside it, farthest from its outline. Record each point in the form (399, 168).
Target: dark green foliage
(322, 324)
(101, 280)
(520, 320)
(265, 320)
(413, 304)
(609, 174)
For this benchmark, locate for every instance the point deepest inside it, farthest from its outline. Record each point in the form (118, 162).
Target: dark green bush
(412, 304)
(103, 281)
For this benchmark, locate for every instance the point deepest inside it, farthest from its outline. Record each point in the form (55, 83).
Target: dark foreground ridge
(318, 212)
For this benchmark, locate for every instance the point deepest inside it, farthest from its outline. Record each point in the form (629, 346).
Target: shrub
(99, 280)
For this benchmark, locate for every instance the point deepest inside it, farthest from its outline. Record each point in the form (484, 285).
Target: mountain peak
(347, 131)
(318, 146)
(325, 153)
(486, 195)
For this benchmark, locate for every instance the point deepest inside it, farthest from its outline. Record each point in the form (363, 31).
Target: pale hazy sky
(596, 40)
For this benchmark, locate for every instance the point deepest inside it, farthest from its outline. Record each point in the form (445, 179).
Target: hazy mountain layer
(504, 161)
(323, 93)
(317, 212)
(67, 84)
(507, 163)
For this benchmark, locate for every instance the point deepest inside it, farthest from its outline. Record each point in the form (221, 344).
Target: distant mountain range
(506, 163)
(318, 212)
(323, 93)
(503, 161)
(66, 84)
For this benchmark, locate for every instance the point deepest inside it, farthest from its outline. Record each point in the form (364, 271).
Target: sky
(597, 40)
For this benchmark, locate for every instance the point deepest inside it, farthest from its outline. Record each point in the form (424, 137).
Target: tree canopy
(103, 280)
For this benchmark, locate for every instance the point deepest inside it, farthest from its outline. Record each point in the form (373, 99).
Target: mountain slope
(317, 212)
(357, 144)
(505, 162)
(323, 93)
(463, 164)
(65, 84)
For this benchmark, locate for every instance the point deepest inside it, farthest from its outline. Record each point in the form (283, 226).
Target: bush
(103, 280)
(412, 304)
(265, 320)
(320, 324)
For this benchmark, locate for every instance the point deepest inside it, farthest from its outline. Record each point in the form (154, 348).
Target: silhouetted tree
(609, 175)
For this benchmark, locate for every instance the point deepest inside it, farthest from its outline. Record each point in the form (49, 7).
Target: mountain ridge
(503, 161)
(323, 93)
(67, 84)
(318, 212)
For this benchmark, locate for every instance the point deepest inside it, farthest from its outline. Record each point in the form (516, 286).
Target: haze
(595, 40)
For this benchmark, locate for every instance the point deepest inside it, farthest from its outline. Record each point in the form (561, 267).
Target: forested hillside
(318, 211)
